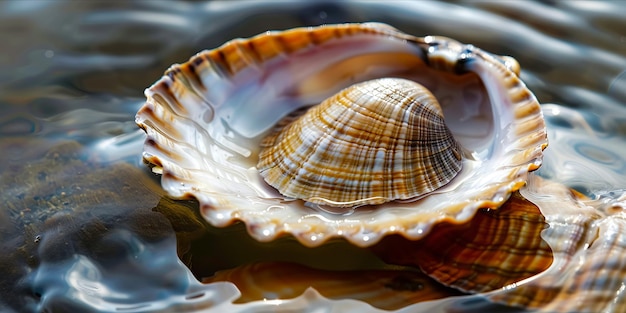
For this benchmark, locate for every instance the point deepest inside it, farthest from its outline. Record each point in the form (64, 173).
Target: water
(84, 224)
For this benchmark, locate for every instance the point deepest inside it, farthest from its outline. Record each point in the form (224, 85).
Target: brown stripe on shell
(520, 95)
(384, 289)
(169, 93)
(526, 110)
(248, 47)
(219, 61)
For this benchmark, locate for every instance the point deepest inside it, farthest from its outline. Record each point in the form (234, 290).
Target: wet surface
(84, 224)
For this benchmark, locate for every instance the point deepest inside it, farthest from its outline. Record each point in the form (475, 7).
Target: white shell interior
(204, 138)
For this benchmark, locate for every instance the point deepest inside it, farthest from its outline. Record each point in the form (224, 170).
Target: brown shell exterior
(371, 143)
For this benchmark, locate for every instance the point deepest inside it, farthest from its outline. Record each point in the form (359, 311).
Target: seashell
(371, 143)
(384, 289)
(206, 120)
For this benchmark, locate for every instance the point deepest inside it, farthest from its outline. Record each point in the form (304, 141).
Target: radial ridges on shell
(371, 143)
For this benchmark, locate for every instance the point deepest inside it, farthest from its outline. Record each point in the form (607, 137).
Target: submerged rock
(58, 205)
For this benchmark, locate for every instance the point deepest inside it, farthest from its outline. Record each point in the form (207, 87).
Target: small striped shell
(205, 121)
(371, 143)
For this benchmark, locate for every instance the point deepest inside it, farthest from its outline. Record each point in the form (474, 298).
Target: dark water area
(84, 224)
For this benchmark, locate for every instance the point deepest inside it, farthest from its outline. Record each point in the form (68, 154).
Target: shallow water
(84, 224)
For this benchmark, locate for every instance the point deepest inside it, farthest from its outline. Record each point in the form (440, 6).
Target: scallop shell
(371, 143)
(205, 120)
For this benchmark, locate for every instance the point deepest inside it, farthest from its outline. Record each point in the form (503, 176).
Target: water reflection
(128, 275)
(85, 226)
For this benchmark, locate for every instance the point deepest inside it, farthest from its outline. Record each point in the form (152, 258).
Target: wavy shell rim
(312, 228)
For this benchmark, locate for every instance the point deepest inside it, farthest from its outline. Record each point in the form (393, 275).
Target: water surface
(83, 222)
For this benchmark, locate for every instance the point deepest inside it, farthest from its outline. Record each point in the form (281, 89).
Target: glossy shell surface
(205, 121)
(373, 142)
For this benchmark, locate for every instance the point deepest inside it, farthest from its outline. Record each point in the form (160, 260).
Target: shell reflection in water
(373, 142)
(385, 289)
(565, 254)
(495, 249)
(208, 122)
(589, 248)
